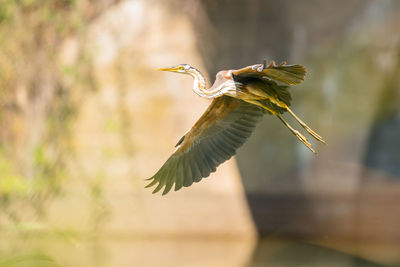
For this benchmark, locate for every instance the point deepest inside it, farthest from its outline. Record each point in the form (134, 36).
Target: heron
(240, 98)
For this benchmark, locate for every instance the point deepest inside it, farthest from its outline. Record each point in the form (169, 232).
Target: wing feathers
(219, 156)
(216, 136)
(210, 165)
(170, 180)
(235, 140)
(201, 163)
(180, 178)
(196, 174)
(188, 179)
(224, 148)
(289, 74)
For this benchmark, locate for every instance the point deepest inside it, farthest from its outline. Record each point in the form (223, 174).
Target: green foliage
(6, 10)
(32, 34)
(10, 183)
(31, 260)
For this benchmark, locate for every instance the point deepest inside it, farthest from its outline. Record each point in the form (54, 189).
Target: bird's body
(240, 99)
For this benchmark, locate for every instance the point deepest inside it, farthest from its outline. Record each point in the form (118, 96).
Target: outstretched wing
(289, 74)
(220, 131)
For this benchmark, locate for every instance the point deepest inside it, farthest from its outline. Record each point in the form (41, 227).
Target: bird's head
(181, 68)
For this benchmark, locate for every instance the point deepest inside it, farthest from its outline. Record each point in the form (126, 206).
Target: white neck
(199, 85)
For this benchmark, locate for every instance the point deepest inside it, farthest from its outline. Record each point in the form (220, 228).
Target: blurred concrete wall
(350, 189)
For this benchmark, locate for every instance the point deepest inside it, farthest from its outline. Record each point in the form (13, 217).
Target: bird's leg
(305, 126)
(281, 104)
(255, 102)
(297, 134)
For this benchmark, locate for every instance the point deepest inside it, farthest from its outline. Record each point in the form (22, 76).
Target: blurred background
(84, 118)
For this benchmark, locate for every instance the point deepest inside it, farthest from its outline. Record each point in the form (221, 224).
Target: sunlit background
(85, 118)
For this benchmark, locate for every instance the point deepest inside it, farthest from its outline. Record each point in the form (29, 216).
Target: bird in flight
(240, 98)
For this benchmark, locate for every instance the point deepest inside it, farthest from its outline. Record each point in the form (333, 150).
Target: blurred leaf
(40, 157)
(10, 181)
(33, 260)
(6, 10)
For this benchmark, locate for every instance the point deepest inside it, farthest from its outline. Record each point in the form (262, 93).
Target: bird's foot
(260, 67)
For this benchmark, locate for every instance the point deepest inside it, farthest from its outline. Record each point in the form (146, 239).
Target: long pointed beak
(163, 69)
(173, 69)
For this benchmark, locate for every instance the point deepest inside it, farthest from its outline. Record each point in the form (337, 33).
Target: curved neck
(199, 85)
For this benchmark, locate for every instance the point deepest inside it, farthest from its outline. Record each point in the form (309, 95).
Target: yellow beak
(173, 69)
